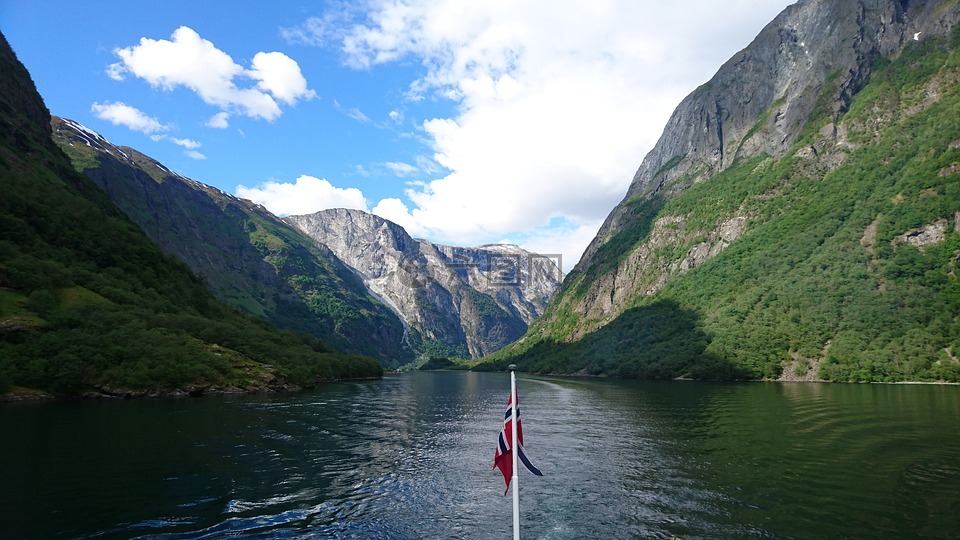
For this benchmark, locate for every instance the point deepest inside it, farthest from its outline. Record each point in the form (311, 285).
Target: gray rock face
(816, 53)
(805, 66)
(454, 300)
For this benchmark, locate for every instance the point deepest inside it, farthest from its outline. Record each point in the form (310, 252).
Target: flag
(503, 458)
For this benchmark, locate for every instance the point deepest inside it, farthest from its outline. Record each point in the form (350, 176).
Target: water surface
(410, 456)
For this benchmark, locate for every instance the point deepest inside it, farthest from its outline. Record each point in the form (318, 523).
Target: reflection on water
(410, 457)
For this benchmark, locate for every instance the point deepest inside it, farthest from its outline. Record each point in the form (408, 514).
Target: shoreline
(32, 395)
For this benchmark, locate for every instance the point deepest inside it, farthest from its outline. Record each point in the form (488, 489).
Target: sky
(466, 122)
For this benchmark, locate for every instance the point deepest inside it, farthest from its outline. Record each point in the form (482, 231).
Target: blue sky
(467, 122)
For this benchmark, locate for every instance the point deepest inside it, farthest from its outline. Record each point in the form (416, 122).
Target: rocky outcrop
(453, 300)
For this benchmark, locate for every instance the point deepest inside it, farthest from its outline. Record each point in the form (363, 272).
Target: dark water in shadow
(410, 457)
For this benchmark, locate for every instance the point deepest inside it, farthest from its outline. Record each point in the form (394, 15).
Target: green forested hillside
(88, 303)
(847, 269)
(250, 259)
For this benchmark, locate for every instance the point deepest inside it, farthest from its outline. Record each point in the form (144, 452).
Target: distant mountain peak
(459, 300)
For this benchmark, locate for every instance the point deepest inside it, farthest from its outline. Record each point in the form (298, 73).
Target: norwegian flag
(502, 458)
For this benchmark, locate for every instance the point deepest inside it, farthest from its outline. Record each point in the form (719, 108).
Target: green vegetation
(670, 164)
(248, 257)
(88, 303)
(640, 216)
(331, 302)
(822, 274)
(656, 341)
(435, 363)
(436, 349)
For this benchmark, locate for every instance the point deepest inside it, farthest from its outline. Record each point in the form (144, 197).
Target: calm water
(410, 457)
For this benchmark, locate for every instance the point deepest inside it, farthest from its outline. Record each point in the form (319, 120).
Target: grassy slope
(819, 281)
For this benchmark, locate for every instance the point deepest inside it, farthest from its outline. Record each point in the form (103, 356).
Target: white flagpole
(514, 450)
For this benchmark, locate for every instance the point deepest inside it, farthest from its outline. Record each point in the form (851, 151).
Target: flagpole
(514, 451)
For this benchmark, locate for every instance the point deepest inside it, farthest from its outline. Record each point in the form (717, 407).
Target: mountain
(250, 258)
(797, 219)
(454, 301)
(333, 274)
(89, 305)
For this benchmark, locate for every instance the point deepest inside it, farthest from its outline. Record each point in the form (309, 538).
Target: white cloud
(354, 113)
(556, 106)
(305, 196)
(193, 62)
(315, 31)
(115, 72)
(326, 29)
(396, 211)
(121, 114)
(219, 121)
(401, 169)
(566, 239)
(280, 75)
(189, 144)
(193, 154)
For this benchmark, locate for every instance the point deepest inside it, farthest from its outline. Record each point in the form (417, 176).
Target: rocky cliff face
(249, 257)
(815, 54)
(796, 220)
(796, 78)
(454, 300)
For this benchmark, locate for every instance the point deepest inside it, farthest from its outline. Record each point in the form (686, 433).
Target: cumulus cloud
(396, 211)
(124, 115)
(221, 120)
(280, 75)
(306, 195)
(195, 63)
(555, 107)
(121, 114)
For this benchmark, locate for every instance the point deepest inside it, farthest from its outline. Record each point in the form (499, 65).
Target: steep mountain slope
(88, 303)
(463, 302)
(250, 258)
(797, 218)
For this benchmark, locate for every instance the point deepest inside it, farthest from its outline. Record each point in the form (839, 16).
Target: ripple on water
(410, 457)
